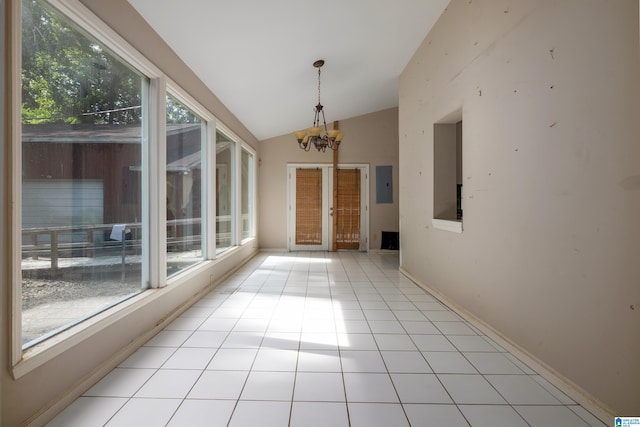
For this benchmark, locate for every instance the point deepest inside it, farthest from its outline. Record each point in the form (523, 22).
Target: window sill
(45, 351)
(452, 225)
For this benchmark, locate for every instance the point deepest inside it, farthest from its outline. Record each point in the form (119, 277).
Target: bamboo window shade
(308, 206)
(348, 209)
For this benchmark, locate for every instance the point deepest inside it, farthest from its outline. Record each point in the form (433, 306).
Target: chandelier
(315, 137)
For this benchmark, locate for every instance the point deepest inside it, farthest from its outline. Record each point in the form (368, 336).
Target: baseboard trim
(575, 392)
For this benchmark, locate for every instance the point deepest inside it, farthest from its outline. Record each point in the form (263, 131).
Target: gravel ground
(88, 286)
(37, 292)
(49, 304)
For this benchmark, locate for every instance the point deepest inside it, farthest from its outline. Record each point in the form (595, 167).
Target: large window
(185, 133)
(97, 171)
(82, 114)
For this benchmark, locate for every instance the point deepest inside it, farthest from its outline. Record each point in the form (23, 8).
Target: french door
(311, 208)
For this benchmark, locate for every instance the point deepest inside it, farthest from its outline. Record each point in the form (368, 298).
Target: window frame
(234, 193)
(207, 179)
(23, 361)
(253, 182)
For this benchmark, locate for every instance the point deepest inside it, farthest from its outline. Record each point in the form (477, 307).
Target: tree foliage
(69, 78)
(178, 113)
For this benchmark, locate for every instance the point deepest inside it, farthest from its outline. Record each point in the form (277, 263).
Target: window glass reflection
(246, 195)
(185, 131)
(81, 176)
(225, 149)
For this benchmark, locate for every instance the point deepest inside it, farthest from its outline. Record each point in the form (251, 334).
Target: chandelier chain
(318, 85)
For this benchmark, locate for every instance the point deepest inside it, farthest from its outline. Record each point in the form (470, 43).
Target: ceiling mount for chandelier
(315, 135)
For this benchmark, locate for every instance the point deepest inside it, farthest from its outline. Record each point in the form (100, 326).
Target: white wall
(370, 139)
(550, 95)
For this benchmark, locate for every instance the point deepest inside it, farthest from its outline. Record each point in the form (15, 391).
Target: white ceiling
(257, 55)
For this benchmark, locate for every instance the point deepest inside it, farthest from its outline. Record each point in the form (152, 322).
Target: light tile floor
(322, 339)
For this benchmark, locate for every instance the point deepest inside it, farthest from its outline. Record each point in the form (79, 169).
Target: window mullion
(14, 98)
(253, 195)
(154, 186)
(209, 188)
(237, 194)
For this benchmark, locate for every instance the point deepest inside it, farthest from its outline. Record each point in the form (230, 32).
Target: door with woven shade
(348, 209)
(308, 208)
(311, 210)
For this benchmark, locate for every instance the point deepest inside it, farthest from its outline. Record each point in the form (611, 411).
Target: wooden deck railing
(95, 240)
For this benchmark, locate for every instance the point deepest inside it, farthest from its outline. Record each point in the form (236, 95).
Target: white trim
(237, 202)
(252, 196)
(208, 179)
(14, 68)
(367, 223)
(575, 392)
(447, 225)
(155, 186)
(235, 213)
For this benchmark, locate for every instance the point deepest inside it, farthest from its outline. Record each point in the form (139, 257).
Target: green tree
(178, 113)
(69, 78)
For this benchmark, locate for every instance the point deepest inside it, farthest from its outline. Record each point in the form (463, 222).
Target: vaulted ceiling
(257, 55)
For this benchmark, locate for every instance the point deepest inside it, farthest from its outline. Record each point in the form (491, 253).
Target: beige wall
(60, 379)
(370, 139)
(551, 166)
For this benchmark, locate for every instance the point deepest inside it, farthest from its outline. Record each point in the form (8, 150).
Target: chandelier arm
(325, 122)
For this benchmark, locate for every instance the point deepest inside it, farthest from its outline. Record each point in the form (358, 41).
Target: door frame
(327, 201)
